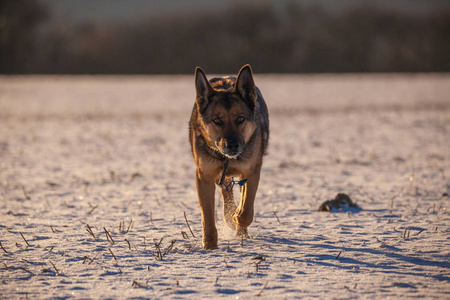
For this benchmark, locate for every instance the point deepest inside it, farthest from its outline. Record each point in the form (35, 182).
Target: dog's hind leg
(229, 207)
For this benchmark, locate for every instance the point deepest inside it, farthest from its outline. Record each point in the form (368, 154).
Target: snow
(112, 153)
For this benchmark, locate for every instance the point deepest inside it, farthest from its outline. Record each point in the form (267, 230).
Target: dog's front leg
(229, 207)
(244, 213)
(206, 190)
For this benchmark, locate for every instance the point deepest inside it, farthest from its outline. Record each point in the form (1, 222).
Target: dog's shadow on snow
(393, 261)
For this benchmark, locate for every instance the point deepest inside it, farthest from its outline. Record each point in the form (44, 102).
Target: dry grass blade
(228, 268)
(3, 248)
(187, 222)
(170, 247)
(338, 255)
(25, 193)
(134, 176)
(404, 233)
(264, 286)
(392, 204)
(129, 245)
(112, 254)
(108, 236)
(158, 255)
(25, 239)
(28, 271)
(93, 207)
(56, 269)
(278, 219)
(112, 174)
(86, 185)
(86, 258)
(420, 231)
(259, 259)
(137, 284)
(89, 229)
(192, 246)
(129, 225)
(256, 266)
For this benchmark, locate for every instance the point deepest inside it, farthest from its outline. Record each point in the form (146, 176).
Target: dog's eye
(218, 121)
(240, 120)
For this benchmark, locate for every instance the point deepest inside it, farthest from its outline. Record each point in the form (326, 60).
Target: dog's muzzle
(232, 149)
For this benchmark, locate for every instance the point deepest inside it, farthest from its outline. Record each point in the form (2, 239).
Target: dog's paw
(242, 232)
(210, 243)
(242, 221)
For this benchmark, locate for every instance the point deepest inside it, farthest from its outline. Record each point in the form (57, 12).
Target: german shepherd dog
(229, 135)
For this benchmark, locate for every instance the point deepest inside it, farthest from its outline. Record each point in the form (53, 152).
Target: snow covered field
(96, 178)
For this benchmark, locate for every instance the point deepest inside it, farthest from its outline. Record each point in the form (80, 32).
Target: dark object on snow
(342, 202)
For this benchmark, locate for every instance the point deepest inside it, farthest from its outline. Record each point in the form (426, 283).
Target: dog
(229, 135)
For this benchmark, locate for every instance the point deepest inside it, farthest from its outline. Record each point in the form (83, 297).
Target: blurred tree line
(291, 38)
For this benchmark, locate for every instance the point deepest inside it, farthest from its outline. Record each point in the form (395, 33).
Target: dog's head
(226, 108)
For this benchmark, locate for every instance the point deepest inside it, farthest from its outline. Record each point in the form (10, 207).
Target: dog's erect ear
(204, 89)
(245, 86)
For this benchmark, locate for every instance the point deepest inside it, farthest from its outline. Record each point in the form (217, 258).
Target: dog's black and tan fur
(229, 121)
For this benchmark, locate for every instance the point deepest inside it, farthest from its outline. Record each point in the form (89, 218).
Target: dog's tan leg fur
(244, 213)
(206, 192)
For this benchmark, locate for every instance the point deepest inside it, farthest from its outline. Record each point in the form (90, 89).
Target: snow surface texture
(111, 154)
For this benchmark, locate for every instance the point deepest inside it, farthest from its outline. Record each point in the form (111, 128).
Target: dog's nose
(232, 146)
